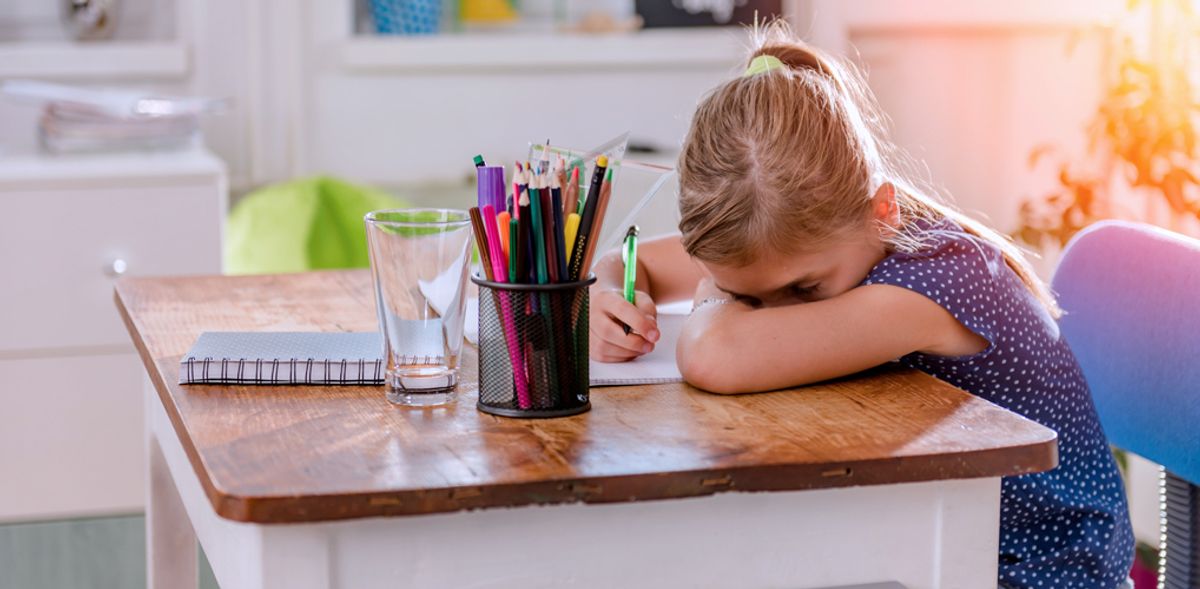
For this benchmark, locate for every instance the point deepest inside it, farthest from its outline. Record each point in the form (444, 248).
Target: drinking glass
(419, 263)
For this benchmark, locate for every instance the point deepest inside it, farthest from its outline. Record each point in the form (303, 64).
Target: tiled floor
(97, 553)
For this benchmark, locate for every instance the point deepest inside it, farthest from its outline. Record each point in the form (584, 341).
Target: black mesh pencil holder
(542, 330)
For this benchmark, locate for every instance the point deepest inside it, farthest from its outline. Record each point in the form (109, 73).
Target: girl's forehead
(770, 273)
(773, 272)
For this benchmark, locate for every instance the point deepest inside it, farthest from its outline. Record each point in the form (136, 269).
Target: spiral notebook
(238, 357)
(231, 357)
(657, 367)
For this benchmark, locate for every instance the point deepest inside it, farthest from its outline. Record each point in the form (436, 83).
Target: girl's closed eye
(752, 301)
(806, 293)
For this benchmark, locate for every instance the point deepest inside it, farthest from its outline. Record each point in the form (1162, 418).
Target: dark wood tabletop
(273, 454)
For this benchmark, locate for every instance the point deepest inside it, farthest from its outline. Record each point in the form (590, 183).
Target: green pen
(629, 255)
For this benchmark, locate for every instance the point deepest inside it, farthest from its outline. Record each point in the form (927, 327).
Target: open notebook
(657, 367)
(356, 358)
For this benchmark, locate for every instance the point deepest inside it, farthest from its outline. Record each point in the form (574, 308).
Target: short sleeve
(955, 270)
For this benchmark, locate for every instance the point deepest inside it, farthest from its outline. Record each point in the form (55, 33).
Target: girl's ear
(883, 206)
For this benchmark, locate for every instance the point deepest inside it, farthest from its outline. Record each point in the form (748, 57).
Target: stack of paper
(81, 119)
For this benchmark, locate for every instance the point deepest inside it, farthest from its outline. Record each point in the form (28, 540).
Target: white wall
(972, 88)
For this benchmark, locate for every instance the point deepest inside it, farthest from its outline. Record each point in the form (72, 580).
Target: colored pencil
(594, 185)
(569, 234)
(556, 196)
(481, 241)
(519, 185)
(548, 229)
(586, 219)
(544, 163)
(560, 249)
(597, 224)
(571, 194)
(523, 249)
(514, 235)
(597, 177)
(539, 243)
(560, 173)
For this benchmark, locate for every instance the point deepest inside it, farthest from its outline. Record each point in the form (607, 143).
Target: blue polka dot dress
(1065, 528)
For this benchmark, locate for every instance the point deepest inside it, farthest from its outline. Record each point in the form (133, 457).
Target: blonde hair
(790, 158)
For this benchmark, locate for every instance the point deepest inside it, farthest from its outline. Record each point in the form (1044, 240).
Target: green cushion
(309, 224)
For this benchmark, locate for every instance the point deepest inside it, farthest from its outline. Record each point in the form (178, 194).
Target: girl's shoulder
(961, 273)
(944, 248)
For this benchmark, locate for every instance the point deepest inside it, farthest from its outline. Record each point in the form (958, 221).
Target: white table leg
(243, 556)
(170, 543)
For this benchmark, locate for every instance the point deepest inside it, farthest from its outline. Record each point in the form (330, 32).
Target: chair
(309, 224)
(1132, 316)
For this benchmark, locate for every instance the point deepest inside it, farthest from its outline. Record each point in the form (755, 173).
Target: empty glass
(419, 262)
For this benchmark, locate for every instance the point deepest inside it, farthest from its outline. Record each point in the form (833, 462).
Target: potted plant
(1141, 159)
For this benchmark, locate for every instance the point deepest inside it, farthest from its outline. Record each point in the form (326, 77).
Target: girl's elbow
(715, 383)
(705, 365)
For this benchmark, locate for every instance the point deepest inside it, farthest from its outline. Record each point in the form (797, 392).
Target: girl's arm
(733, 348)
(665, 273)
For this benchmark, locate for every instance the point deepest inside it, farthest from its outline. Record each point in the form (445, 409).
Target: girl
(816, 256)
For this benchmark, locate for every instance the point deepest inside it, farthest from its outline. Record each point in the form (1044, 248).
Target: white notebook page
(654, 368)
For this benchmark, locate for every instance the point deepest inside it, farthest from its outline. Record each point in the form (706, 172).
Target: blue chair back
(1131, 297)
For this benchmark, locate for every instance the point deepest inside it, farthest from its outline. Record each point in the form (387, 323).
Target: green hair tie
(762, 64)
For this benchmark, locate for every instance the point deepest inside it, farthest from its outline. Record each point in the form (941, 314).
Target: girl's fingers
(615, 359)
(610, 332)
(642, 322)
(645, 304)
(603, 352)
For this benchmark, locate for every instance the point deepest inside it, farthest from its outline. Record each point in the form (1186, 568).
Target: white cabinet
(70, 436)
(70, 409)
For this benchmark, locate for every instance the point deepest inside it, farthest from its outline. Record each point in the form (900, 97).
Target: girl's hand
(610, 312)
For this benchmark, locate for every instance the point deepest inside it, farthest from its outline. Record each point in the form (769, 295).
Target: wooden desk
(338, 464)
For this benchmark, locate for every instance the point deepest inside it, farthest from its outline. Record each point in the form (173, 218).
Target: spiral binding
(290, 371)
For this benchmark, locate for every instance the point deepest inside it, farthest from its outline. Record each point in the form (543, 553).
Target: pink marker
(500, 273)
